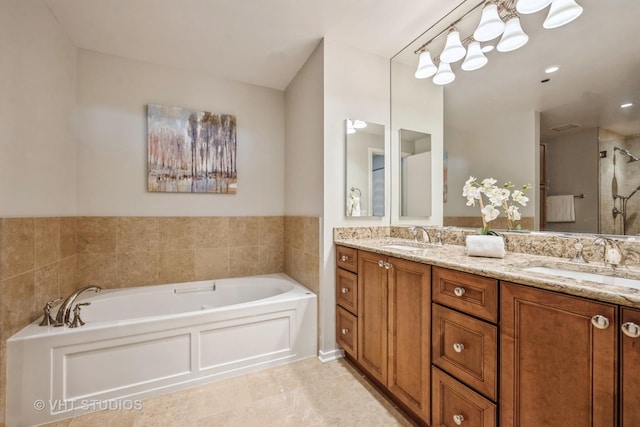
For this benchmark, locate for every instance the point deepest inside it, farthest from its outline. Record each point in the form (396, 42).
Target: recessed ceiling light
(487, 48)
(626, 105)
(551, 69)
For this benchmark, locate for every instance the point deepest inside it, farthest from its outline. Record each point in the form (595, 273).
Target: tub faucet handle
(77, 321)
(47, 320)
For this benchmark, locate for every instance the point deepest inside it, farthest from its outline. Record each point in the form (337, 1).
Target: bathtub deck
(304, 393)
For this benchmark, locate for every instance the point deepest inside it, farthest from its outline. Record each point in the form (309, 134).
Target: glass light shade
(444, 75)
(453, 49)
(513, 36)
(359, 124)
(531, 6)
(475, 58)
(490, 26)
(350, 128)
(562, 12)
(426, 67)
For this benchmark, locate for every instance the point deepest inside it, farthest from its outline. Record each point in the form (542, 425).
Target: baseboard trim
(329, 356)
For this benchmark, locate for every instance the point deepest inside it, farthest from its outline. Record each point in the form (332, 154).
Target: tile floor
(304, 393)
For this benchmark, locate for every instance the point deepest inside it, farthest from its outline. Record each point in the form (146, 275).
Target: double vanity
(526, 340)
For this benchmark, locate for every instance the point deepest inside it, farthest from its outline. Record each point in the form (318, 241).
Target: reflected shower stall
(619, 201)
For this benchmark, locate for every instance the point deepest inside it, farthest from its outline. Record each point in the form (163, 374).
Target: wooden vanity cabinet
(392, 308)
(629, 367)
(558, 364)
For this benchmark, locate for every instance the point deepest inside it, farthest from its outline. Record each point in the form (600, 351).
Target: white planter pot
(485, 246)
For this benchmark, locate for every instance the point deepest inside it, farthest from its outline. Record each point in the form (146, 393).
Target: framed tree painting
(191, 151)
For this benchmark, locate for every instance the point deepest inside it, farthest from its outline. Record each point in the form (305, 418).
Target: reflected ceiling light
(444, 75)
(453, 49)
(513, 36)
(491, 25)
(626, 105)
(350, 128)
(359, 124)
(562, 12)
(551, 69)
(531, 6)
(426, 67)
(475, 58)
(487, 48)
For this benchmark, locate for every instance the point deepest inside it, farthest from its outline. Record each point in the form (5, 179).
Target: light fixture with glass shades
(498, 19)
(354, 125)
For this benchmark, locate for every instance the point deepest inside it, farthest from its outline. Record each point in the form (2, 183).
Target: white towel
(485, 245)
(561, 208)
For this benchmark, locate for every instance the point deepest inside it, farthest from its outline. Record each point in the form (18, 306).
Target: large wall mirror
(565, 132)
(365, 168)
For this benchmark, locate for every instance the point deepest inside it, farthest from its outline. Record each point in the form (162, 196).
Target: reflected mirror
(565, 132)
(415, 173)
(364, 168)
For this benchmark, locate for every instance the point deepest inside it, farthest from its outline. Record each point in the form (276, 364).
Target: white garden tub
(145, 341)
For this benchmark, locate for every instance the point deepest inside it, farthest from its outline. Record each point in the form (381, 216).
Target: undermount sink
(409, 247)
(402, 247)
(605, 279)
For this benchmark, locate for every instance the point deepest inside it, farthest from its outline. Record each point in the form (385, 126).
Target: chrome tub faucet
(64, 312)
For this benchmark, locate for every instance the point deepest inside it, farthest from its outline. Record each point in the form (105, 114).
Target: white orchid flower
(519, 197)
(514, 213)
(490, 213)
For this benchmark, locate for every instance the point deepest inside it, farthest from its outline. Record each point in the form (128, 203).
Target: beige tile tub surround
(44, 258)
(134, 251)
(302, 250)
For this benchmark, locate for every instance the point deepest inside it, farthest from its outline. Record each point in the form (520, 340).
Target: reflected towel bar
(579, 196)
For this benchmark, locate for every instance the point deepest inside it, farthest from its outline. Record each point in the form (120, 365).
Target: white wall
(417, 106)
(112, 139)
(304, 101)
(356, 84)
(37, 83)
(503, 146)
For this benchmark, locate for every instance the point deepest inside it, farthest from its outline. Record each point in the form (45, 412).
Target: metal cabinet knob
(459, 291)
(344, 258)
(600, 322)
(381, 263)
(458, 419)
(345, 290)
(458, 347)
(631, 330)
(388, 265)
(344, 331)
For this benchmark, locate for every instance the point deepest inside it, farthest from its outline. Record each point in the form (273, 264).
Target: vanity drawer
(347, 258)
(347, 331)
(455, 404)
(472, 294)
(466, 348)
(347, 290)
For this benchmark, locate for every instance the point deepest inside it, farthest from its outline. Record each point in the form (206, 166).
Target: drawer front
(469, 293)
(466, 348)
(347, 258)
(347, 290)
(347, 331)
(455, 404)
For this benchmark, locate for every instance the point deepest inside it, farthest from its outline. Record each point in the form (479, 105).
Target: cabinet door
(557, 368)
(409, 332)
(372, 315)
(630, 368)
(347, 331)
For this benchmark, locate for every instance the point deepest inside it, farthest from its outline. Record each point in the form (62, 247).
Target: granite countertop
(512, 268)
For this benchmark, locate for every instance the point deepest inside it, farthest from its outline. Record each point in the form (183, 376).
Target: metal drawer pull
(344, 258)
(631, 330)
(344, 331)
(381, 263)
(600, 322)
(459, 291)
(345, 290)
(388, 265)
(458, 347)
(458, 419)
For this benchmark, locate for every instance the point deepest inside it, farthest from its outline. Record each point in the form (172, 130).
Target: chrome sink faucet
(414, 233)
(64, 312)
